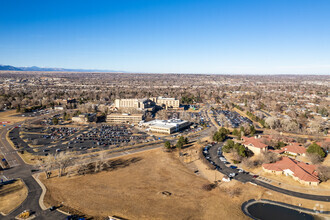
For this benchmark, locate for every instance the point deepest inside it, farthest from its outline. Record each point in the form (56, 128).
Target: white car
(226, 179)
(232, 174)
(240, 170)
(222, 159)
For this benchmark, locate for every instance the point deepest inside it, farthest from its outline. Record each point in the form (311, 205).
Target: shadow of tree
(109, 165)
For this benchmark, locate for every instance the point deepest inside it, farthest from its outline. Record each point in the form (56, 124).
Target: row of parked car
(60, 132)
(233, 118)
(207, 156)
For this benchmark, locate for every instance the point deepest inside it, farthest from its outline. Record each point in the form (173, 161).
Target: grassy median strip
(12, 195)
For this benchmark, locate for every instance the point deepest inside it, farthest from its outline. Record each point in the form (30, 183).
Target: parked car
(226, 179)
(232, 174)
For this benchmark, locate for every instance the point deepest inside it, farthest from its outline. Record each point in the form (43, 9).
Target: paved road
(21, 170)
(248, 178)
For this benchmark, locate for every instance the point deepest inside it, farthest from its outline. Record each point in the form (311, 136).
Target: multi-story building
(167, 102)
(147, 103)
(115, 118)
(133, 103)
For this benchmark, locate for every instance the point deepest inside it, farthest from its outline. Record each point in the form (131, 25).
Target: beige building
(147, 103)
(131, 103)
(254, 144)
(84, 118)
(167, 102)
(166, 126)
(302, 172)
(124, 118)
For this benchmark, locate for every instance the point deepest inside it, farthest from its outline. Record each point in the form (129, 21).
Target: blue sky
(173, 36)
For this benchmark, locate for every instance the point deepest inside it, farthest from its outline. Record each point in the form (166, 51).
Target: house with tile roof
(302, 172)
(295, 149)
(254, 144)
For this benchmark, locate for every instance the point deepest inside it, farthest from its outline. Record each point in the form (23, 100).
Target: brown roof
(301, 170)
(295, 148)
(254, 141)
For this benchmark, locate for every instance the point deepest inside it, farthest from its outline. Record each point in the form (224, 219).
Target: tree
(272, 122)
(46, 165)
(316, 149)
(252, 130)
(55, 121)
(182, 141)
(99, 164)
(323, 173)
(279, 145)
(314, 158)
(219, 137)
(61, 161)
(242, 130)
(269, 157)
(236, 132)
(179, 145)
(167, 145)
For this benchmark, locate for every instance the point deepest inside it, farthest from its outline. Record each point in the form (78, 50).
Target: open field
(10, 116)
(12, 195)
(134, 191)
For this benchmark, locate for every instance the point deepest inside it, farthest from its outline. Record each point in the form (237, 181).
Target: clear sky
(180, 36)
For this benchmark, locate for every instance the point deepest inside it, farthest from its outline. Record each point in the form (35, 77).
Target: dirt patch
(12, 195)
(10, 116)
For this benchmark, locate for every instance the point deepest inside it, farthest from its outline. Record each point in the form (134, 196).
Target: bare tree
(323, 173)
(314, 158)
(62, 160)
(273, 122)
(100, 162)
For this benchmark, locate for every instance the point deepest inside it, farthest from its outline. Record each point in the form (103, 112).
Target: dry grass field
(12, 195)
(10, 116)
(134, 191)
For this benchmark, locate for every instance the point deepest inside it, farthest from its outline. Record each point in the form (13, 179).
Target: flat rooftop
(165, 123)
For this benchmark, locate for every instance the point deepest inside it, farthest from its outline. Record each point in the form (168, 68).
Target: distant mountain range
(35, 68)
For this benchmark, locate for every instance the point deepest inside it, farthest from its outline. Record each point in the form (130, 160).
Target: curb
(21, 202)
(246, 204)
(43, 193)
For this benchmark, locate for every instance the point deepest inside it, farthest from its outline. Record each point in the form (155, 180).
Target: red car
(255, 176)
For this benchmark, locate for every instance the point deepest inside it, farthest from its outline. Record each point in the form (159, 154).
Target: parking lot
(42, 140)
(35, 113)
(234, 119)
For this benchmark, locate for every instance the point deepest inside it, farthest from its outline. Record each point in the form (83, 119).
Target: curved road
(18, 169)
(243, 177)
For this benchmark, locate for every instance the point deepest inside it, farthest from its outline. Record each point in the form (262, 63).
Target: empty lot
(135, 191)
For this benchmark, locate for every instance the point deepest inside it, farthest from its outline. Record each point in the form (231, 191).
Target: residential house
(254, 144)
(302, 172)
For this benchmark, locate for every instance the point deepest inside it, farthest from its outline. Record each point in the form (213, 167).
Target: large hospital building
(147, 103)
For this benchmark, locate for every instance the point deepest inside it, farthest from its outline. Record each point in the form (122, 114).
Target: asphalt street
(21, 170)
(243, 177)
